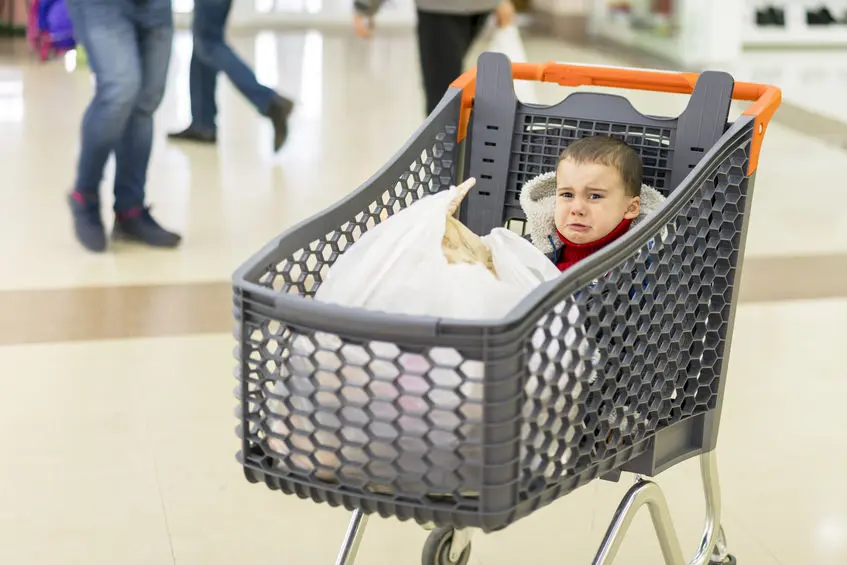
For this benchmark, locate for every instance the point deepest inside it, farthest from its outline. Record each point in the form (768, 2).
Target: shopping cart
(617, 366)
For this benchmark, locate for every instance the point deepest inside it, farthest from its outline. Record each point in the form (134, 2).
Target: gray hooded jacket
(371, 7)
(538, 201)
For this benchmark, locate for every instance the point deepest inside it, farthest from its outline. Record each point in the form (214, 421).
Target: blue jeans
(129, 47)
(211, 55)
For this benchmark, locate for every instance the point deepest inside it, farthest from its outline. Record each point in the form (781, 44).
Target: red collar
(574, 252)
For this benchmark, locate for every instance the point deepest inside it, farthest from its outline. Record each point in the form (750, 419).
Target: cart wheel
(250, 475)
(720, 555)
(436, 550)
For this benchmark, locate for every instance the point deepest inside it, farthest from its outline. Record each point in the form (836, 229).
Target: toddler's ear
(633, 209)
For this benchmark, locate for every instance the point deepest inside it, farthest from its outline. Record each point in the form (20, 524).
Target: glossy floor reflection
(125, 450)
(122, 449)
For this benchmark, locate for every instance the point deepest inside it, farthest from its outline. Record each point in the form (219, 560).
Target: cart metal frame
(712, 550)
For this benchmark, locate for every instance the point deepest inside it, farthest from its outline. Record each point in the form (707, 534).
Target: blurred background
(116, 405)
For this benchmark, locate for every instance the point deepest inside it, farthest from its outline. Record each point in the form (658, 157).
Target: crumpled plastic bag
(406, 265)
(357, 412)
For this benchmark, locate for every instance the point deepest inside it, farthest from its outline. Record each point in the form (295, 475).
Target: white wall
(563, 7)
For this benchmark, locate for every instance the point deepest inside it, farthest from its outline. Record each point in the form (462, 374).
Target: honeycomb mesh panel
(372, 417)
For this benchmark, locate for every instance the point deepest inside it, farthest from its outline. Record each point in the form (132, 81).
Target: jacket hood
(538, 201)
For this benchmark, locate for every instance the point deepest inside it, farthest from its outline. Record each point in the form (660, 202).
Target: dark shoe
(88, 224)
(770, 16)
(820, 17)
(139, 226)
(278, 113)
(190, 134)
(826, 16)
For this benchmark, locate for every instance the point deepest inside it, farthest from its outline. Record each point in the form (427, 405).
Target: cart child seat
(650, 316)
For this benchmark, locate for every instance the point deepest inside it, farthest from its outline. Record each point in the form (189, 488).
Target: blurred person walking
(128, 44)
(446, 30)
(211, 55)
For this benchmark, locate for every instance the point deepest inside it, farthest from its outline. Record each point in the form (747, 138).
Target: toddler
(594, 197)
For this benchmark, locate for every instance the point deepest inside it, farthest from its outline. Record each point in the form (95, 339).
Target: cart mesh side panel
(641, 348)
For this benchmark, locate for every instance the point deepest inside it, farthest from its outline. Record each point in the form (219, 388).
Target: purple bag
(50, 30)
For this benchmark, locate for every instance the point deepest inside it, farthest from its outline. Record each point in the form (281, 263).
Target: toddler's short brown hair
(611, 152)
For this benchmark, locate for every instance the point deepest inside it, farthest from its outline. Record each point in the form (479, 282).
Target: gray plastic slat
(493, 127)
(600, 106)
(703, 121)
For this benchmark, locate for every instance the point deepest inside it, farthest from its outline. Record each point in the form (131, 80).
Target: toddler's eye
(596, 196)
(566, 195)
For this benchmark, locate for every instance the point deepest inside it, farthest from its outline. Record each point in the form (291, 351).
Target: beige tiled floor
(123, 450)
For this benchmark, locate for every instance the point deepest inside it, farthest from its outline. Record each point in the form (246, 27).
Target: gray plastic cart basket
(617, 366)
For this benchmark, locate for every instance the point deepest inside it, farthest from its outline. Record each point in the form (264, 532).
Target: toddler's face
(591, 201)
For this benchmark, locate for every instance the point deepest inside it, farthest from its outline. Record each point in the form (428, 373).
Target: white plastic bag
(318, 421)
(517, 261)
(399, 267)
(506, 40)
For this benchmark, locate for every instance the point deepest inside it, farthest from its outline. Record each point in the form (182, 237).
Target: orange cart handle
(766, 99)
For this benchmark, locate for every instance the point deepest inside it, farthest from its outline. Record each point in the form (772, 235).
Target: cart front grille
(369, 416)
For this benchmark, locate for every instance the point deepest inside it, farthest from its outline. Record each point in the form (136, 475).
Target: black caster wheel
(436, 550)
(728, 560)
(250, 475)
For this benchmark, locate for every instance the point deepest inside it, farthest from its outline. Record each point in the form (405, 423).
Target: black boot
(88, 224)
(777, 16)
(139, 226)
(191, 134)
(770, 16)
(278, 113)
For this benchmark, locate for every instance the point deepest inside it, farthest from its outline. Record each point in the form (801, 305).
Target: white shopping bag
(506, 40)
(400, 267)
(518, 261)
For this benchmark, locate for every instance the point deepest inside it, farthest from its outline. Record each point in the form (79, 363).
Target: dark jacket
(371, 7)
